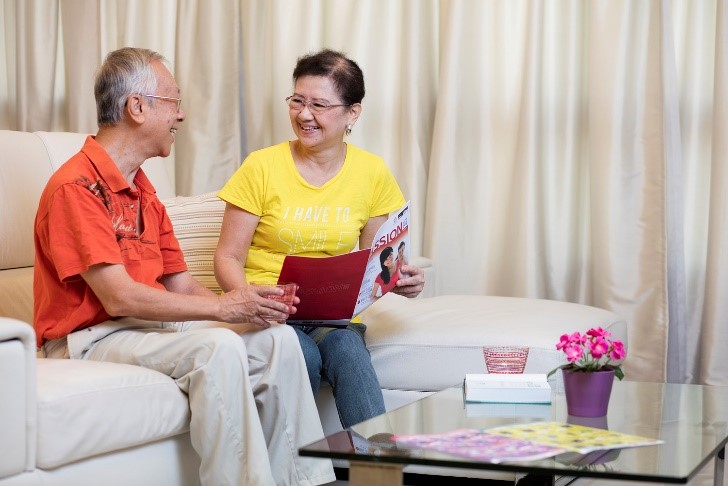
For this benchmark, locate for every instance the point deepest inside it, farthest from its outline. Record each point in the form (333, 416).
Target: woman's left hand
(411, 281)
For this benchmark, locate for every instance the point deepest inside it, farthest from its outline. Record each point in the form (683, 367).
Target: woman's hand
(411, 281)
(251, 304)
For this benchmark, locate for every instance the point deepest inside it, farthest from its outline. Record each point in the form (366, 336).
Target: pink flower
(598, 332)
(618, 352)
(574, 352)
(598, 347)
(592, 351)
(563, 341)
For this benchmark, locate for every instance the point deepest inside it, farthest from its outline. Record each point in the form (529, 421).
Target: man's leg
(286, 405)
(348, 367)
(211, 366)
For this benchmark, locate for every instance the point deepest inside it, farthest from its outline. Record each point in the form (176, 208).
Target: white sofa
(66, 422)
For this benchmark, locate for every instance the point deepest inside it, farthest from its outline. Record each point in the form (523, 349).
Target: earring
(348, 129)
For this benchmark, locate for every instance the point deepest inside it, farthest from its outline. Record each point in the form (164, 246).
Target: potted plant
(593, 360)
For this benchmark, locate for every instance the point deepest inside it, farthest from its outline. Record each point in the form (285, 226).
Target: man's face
(164, 117)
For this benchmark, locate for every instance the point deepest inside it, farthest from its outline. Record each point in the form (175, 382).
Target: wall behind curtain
(565, 149)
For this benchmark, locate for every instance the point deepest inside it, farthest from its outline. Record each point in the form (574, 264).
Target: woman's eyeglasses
(297, 103)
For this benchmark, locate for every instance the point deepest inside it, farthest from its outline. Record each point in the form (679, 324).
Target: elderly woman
(315, 196)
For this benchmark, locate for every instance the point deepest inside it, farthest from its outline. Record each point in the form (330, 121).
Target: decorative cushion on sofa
(86, 408)
(197, 221)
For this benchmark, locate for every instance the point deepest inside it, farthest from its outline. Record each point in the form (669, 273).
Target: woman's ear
(354, 112)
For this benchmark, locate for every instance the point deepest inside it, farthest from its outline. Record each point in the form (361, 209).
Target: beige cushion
(24, 172)
(197, 221)
(429, 344)
(88, 408)
(16, 289)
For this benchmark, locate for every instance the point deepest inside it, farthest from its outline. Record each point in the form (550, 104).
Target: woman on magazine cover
(315, 196)
(389, 276)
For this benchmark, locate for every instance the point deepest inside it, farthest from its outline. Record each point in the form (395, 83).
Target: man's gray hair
(125, 72)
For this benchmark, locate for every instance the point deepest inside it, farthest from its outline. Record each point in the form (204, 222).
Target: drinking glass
(505, 359)
(289, 292)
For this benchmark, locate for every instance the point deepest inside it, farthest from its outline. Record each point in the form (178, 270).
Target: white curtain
(567, 149)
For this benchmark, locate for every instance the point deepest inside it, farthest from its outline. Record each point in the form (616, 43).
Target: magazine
(573, 438)
(524, 442)
(333, 290)
(479, 445)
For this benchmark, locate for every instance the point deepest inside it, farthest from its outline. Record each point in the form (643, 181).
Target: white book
(512, 410)
(517, 388)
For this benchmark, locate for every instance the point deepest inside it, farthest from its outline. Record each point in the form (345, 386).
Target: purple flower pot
(587, 393)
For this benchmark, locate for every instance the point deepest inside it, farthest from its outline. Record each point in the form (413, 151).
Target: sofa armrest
(18, 415)
(426, 265)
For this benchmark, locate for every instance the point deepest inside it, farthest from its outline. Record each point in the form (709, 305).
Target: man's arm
(185, 283)
(122, 296)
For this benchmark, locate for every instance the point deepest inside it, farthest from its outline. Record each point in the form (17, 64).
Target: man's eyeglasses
(297, 103)
(176, 100)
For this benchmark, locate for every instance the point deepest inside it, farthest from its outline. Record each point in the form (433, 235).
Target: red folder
(328, 287)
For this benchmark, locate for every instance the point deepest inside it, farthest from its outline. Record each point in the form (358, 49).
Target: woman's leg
(348, 367)
(312, 356)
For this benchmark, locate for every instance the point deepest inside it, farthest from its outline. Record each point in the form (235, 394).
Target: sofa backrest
(27, 161)
(197, 221)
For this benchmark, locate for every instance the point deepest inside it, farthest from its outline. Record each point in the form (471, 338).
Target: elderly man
(111, 284)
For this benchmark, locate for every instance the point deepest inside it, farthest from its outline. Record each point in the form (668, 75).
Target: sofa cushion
(16, 288)
(429, 344)
(197, 221)
(25, 170)
(88, 408)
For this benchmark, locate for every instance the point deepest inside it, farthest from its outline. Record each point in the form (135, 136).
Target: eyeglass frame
(306, 103)
(168, 98)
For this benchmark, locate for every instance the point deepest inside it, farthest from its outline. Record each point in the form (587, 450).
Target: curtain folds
(570, 149)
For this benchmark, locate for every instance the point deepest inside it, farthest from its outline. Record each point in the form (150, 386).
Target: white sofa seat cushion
(88, 408)
(430, 344)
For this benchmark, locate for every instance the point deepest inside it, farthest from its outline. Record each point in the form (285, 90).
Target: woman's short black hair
(348, 78)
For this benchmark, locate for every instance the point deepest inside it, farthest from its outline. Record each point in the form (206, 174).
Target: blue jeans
(341, 357)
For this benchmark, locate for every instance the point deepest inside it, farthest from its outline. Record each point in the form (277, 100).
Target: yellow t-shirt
(297, 218)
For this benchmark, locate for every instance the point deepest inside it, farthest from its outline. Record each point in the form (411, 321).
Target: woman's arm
(236, 234)
(374, 290)
(369, 230)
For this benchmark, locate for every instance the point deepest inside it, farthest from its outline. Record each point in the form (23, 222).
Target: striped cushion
(197, 221)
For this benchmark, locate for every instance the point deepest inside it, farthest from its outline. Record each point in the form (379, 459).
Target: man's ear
(135, 109)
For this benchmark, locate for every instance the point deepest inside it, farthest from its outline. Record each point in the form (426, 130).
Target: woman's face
(389, 261)
(326, 128)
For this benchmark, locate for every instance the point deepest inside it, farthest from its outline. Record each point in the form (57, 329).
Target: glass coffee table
(692, 420)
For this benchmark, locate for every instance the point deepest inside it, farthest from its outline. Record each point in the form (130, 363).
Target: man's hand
(251, 304)
(411, 281)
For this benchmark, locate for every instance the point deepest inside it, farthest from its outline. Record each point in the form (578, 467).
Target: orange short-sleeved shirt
(86, 216)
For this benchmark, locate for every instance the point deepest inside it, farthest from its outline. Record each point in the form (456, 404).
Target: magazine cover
(570, 437)
(524, 442)
(390, 250)
(480, 445)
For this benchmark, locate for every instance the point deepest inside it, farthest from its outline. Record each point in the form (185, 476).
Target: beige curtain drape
(569, 149)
